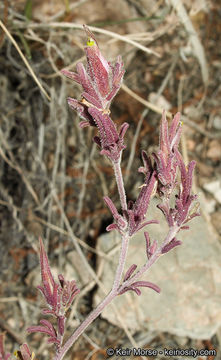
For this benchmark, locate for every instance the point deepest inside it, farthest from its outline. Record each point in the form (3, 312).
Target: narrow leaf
(148, 284)
(129, 272)
(171, 245)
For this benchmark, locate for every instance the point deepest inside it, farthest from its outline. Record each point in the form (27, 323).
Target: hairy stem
(83, 326)
(122, 259)
(171, 234)
(115, 290)
(120, 184)
(96, 312)
(60, 336)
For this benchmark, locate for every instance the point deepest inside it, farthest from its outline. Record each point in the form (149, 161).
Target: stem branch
(82, 327)
(171, 234)
(116, 290)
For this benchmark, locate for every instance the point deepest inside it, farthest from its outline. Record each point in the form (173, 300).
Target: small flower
(68, 293)
(165, 158)
(182, 213)
(58, 296)
(184, 199)
(100, 81)
(136, 212)
(24, 353)
(110, 141)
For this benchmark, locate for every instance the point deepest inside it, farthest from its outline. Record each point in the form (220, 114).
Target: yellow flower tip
(90, 42)
(18, 355)
(181, 123)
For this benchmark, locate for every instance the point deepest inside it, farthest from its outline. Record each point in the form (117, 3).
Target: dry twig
(24, 59)
(66, 25)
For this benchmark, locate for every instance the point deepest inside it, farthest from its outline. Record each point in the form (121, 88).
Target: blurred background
(53, 179)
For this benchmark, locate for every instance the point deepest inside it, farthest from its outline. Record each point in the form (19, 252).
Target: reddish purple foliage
(136, 212)
(136, 285)
(58, 296)
(46, 328)
(129, 272)
(182, 212)
(133, 218)
(174, 242)
(165, 158)
(150, 248)
(100, 82)
(120, 223)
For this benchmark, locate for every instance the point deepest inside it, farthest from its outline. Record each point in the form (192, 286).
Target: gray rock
(189, 277)
(217, 122)
(214, 188)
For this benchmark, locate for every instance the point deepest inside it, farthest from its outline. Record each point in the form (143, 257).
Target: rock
(75, 270)
(215, 189)
(210, 206)
(189, 277)
(207, 204)
(160, 101)
(191, 111)
(217, 122)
